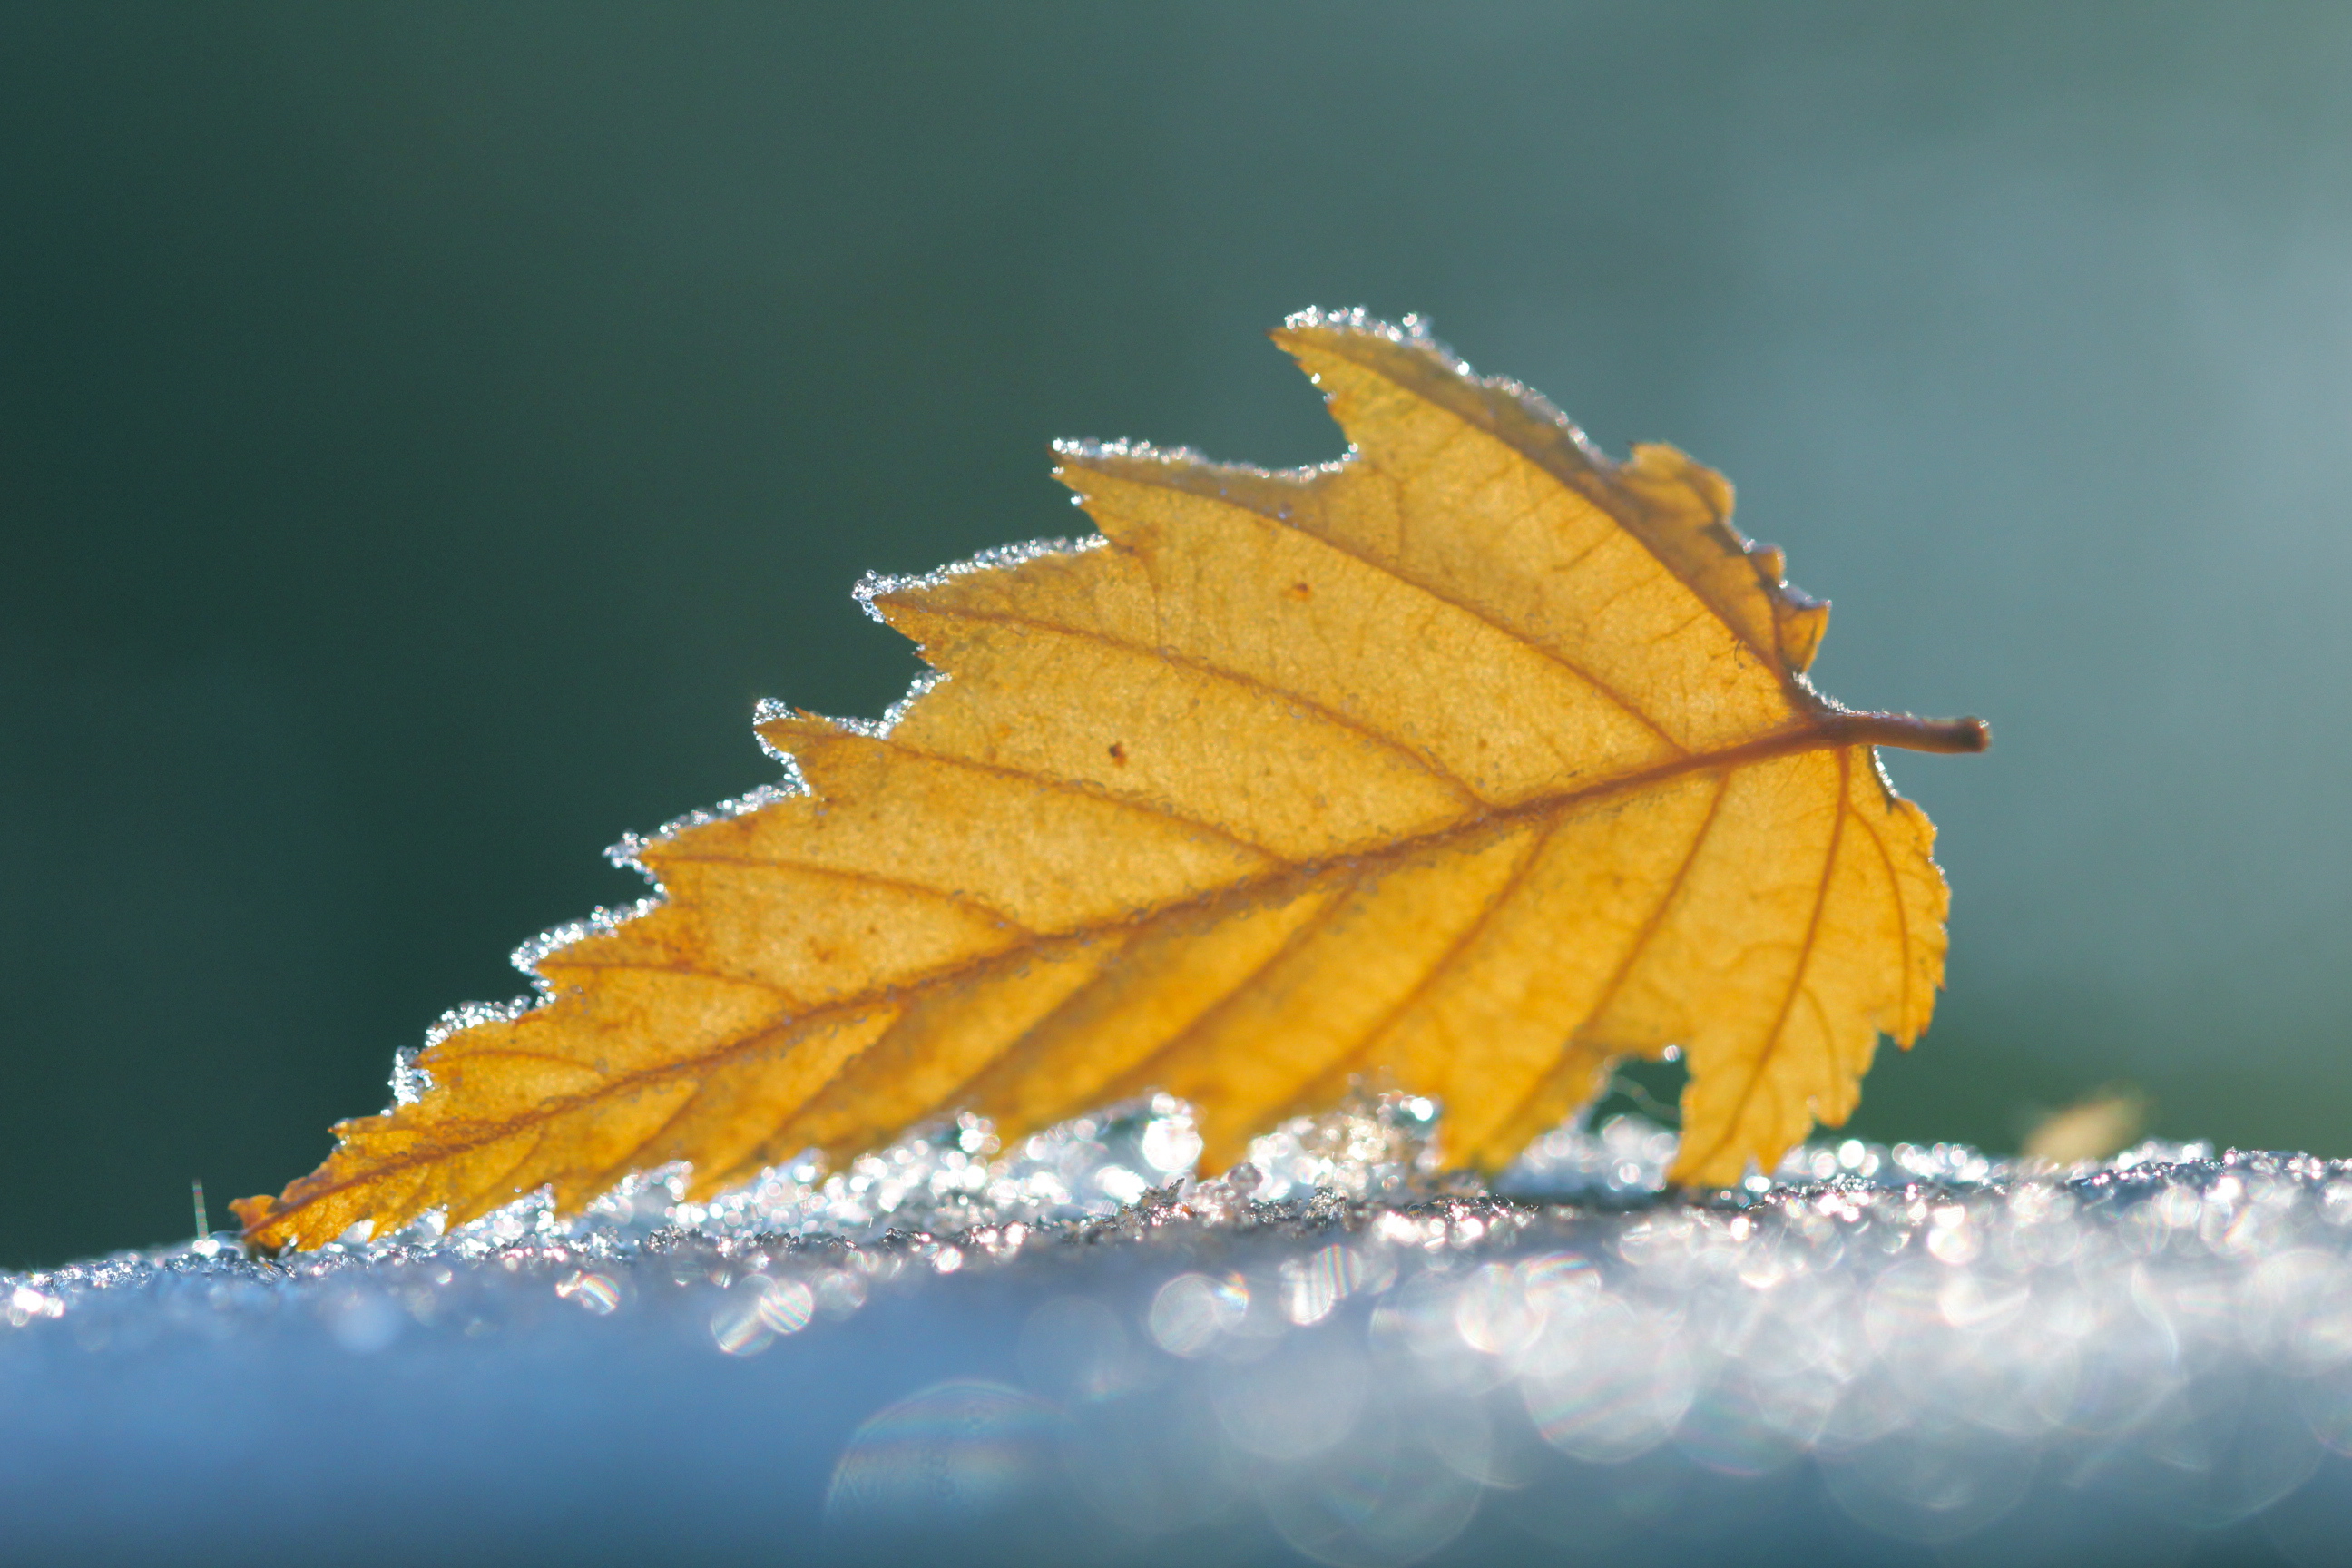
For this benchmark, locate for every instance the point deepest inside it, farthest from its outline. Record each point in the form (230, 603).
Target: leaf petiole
(1911, 732)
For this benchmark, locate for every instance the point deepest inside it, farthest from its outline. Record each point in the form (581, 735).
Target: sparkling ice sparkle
(1337, 1354)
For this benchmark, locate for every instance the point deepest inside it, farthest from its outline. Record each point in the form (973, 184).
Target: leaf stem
(1913, 734)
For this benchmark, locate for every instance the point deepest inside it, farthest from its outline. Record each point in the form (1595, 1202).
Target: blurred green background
(425, 430)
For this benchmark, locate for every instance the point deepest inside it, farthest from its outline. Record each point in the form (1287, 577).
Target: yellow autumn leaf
(1462, 765)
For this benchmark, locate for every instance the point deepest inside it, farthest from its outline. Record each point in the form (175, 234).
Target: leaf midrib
(1826, 732)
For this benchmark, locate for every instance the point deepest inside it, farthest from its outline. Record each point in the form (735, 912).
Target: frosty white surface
(1071, 1350)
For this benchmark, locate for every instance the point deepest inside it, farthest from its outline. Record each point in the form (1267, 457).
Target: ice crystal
(1073, 1347)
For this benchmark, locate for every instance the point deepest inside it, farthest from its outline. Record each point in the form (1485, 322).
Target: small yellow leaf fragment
(1466, 765)
(2101, 1125)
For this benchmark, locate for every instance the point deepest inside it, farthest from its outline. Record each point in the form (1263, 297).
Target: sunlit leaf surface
(1462, 765)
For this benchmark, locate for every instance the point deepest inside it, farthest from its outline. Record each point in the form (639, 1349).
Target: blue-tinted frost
(1071, 1350)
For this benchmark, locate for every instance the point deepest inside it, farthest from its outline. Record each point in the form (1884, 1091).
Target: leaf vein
(686, 971)
(1395, 572)
(1902, 925)
(1753, 1072)
(1593, 481)
(1464, 941)
(1138, 1076)
(1094, 793)
(618, 1168)
(1069, 1005)
(1351, 866)
(977, 906)
(1394, 744)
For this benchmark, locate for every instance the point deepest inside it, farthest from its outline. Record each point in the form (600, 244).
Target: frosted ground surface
(1071, 1351)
